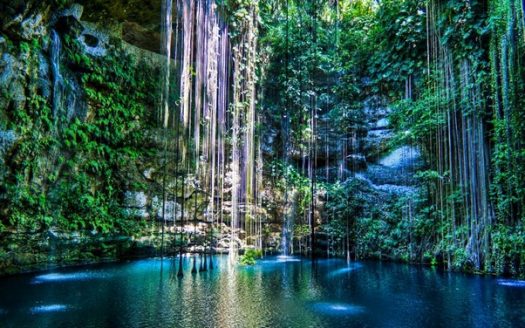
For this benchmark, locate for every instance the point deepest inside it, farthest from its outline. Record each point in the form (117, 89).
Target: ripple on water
(338, 308)
(286, 258)
(511, 283)
(276, 261)
(55, 277)
(344, 270)
(49, 308)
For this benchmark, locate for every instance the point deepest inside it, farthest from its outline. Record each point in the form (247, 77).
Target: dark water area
(277, 292)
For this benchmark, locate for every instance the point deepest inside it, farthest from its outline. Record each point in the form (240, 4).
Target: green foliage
(238, 14)
(287, 177)
(508, 252)
(299, 38)
(70, 174)
(61, 3)
(301, 231)
(444, 65)
(399, 31)
(250, 256)
(463, 26)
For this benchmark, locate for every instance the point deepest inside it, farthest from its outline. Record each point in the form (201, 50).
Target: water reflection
(287, 258)
(338, 308)
(60, 277)
(345, 270)
(276, 292)
(511, 283)
(49, 308)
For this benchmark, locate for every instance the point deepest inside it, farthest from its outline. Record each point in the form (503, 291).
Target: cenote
(272, 293)
(294, 163)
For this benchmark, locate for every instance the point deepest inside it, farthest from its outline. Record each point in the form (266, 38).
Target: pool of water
(277, 292)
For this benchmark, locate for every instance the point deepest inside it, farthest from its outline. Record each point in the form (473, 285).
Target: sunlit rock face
(136, 204)
(375, 143)
(169, 211)
(402, 158)
(394, 172)
(388, 170)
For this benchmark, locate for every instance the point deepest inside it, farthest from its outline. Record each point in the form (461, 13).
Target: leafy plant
(250, 256)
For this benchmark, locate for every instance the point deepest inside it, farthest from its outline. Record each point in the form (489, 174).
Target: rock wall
(81, 159)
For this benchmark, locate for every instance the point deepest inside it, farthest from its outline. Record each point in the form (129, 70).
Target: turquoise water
(277, 292)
